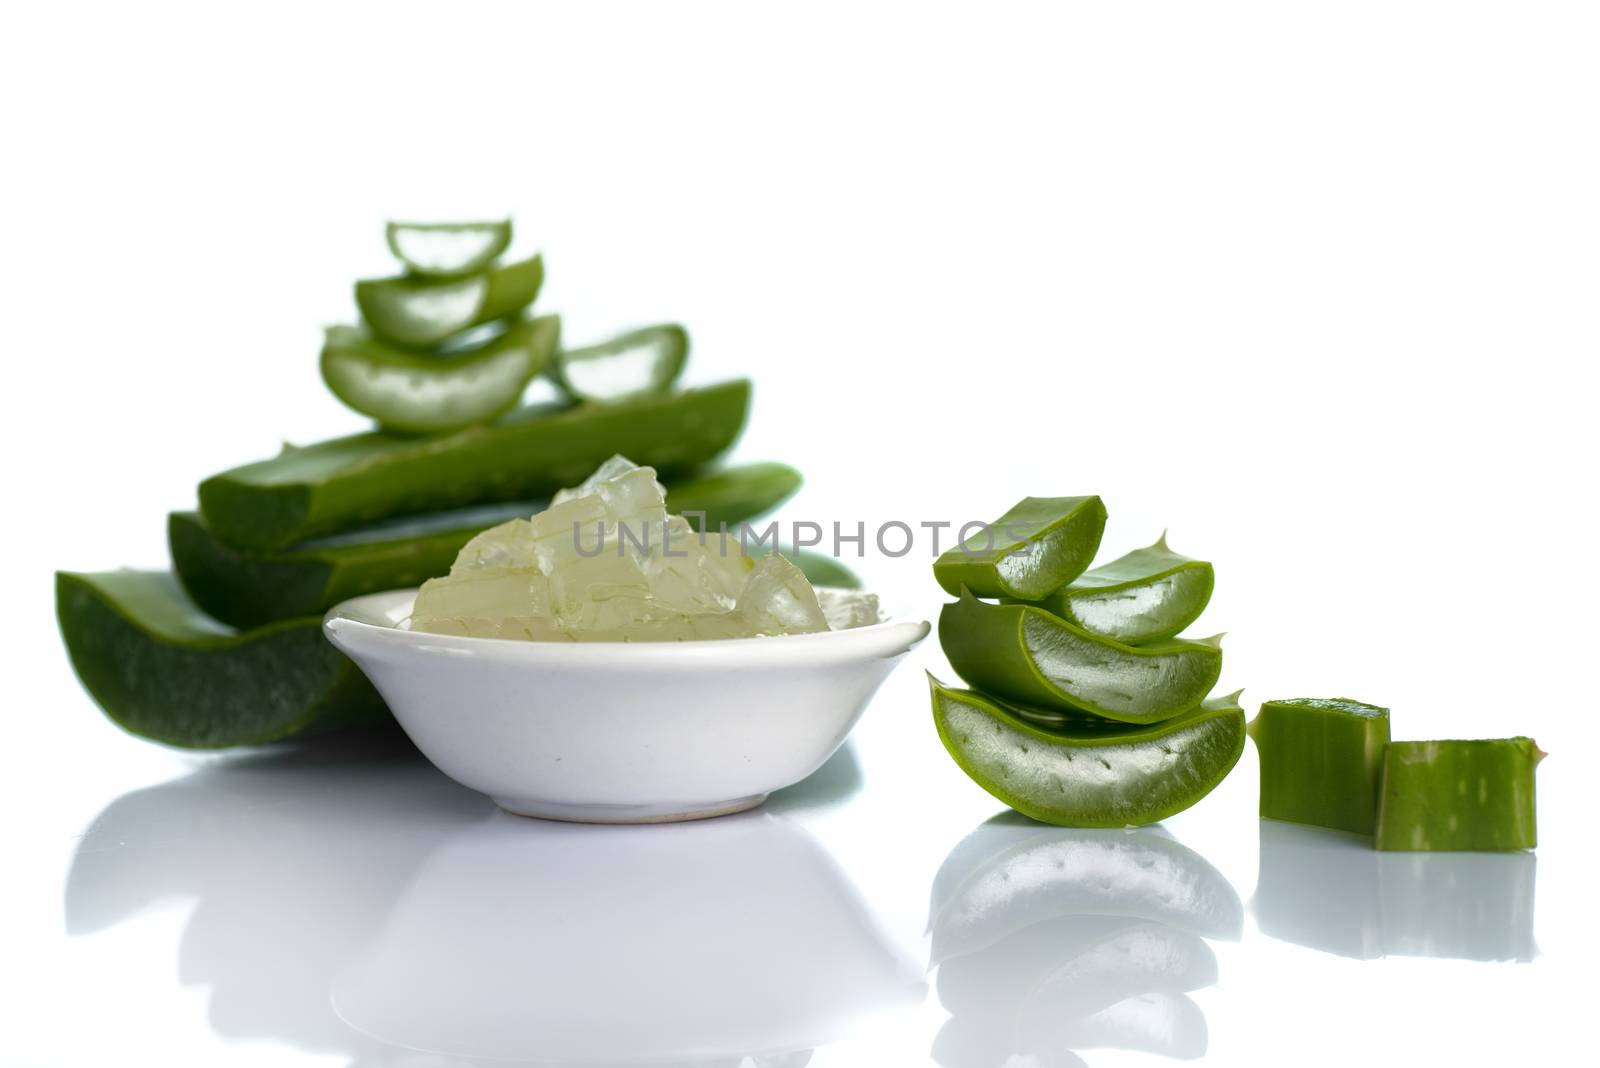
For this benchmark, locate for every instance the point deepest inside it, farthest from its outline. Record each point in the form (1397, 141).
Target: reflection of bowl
(620, 732)
(551, 943)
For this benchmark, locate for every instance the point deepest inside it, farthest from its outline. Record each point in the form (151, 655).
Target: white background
(1312, 286)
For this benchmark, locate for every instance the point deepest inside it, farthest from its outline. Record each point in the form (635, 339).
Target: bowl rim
(356, 619)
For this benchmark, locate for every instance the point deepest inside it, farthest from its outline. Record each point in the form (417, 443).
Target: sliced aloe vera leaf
(419, 313)
(412, 393)
(163, 670)
(1321, 759)
(246, 588)
(1458, 795)
(448, 250)
(982, 897)
(1149, 594)
(336, 485)
(1029, 656)
(1095, 774)
(642, 361)
(1036, 548)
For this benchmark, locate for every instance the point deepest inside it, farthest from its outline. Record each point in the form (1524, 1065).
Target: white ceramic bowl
(620, 732)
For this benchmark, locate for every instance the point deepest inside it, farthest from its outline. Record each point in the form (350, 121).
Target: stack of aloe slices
(230, 651)
(1086, 709)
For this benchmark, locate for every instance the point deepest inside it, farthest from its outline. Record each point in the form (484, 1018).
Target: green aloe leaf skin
(164, 671)
(1095, 774)
(420, 313)
(1321, 761)
(1037, 547)
(1028, 656)
(413, 393)
(1459, 795)
(821, 569)
(1150, 594)
(448, 250)
(247, 588)
(642, 361)
(337, 485)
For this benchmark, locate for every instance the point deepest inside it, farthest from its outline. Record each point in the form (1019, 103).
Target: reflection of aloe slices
(419, 313)
(163, 670)
(635, 363)
(448, 250)
(414, 393)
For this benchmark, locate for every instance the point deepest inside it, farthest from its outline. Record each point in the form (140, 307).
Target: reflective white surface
(1310, 285)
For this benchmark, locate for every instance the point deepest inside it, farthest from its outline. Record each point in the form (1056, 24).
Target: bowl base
(545, 810)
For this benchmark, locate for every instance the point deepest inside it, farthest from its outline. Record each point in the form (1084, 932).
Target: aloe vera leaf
(344, 483)
(1147, 595)
(1098, 774)
(1029, 656)
(419, 313)
(1458, 795)
(641, 361)
(980, 897)
(1037, 547)
(246, 588)
(1321, 759)
(1161, 1022)
(448, 250)
(163, 670)
(411, 393)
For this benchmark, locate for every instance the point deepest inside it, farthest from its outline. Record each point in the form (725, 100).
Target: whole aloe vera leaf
(417, 393)
(344, 483)
(419, 313)
(448, 250)
(1038, 546)
(1027, 655)
(1459, 795)
(641, 361)
(1094, 775)
(1321, 759)
(248, 588)
(1147, 595)
(164, 671)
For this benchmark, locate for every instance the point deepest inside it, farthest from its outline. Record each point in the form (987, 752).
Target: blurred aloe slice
(448, 250)
(641, 361)
(419, 313)
(415, 393)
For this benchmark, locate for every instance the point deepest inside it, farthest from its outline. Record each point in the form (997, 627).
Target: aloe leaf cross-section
(1038, 546)
(417, 393)
(1093, 774)
(1027, 655)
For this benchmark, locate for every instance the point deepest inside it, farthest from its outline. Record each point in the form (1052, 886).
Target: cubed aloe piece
(1458, 795)
(163, 670)
(344, 483)
(1037, 547)
(1321, 759)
